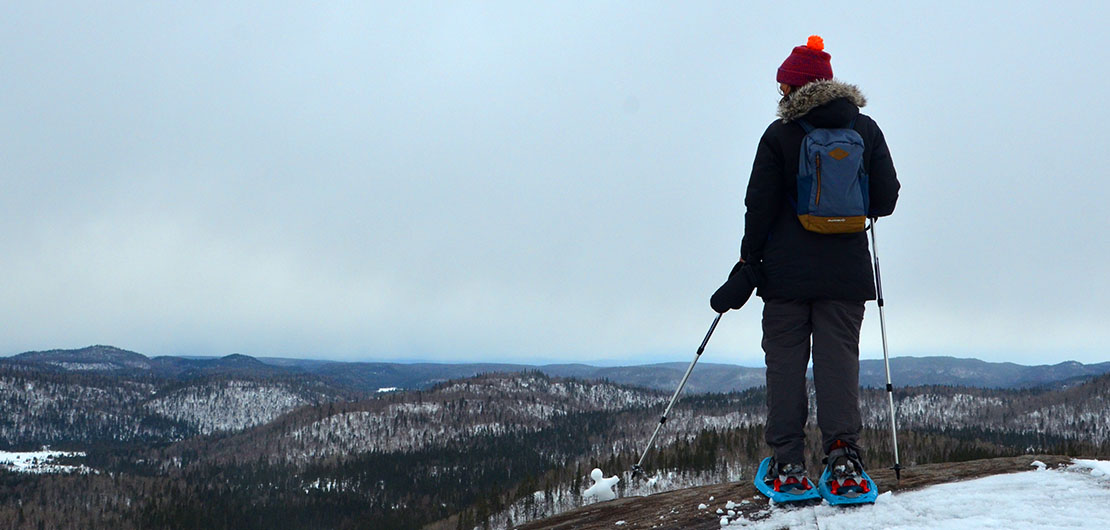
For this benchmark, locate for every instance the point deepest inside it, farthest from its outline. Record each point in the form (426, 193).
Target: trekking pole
(638, 469)
(886, 356)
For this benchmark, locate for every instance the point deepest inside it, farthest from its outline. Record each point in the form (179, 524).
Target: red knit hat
(806, 63)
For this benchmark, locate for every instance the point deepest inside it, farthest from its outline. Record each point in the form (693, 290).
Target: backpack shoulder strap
(809, 128)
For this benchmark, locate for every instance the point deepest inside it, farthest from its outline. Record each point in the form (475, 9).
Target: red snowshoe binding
(844, 481)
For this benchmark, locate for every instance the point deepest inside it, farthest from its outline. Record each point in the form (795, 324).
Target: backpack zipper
(818, 179)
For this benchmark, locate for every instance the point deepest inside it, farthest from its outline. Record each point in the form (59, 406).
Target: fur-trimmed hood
(818, 93)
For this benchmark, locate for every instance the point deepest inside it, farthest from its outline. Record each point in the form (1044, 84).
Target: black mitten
(743, 279)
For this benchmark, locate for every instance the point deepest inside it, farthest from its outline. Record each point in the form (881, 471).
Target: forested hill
(495, 450)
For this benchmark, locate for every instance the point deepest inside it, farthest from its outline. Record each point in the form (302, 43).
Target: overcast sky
(527, 182)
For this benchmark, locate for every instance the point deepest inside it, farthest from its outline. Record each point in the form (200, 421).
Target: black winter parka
(797, 263)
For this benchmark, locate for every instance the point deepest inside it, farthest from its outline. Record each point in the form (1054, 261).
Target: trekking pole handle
(878, 275)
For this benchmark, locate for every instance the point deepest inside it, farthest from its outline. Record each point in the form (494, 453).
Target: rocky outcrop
(680, 509)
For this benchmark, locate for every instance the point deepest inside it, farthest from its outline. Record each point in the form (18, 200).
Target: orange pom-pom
(815, 43)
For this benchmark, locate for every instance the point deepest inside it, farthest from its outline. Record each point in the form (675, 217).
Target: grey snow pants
(834, 326)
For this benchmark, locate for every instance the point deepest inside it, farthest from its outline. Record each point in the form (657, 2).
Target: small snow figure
(602, 489)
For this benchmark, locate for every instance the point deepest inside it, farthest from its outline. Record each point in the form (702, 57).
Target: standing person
(813, 284)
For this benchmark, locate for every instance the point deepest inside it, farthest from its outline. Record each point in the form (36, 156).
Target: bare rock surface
(679, 509)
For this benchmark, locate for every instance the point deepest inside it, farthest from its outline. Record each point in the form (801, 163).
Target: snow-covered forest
(492, 450)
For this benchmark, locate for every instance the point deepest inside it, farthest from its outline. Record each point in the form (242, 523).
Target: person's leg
(786, 331)
(836, 326)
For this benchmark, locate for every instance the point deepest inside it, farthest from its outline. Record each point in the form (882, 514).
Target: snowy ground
(39, 462)
(1075, 497)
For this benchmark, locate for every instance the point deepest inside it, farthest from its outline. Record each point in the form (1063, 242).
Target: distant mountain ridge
(716, 377)
(92, 358)
(707, 377)
(912, 371)
(110, 359)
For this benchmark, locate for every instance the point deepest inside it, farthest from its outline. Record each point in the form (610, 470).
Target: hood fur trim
(815, 94)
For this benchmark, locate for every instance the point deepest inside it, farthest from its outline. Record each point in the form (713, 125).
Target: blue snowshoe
(844, 481)
(784, 483)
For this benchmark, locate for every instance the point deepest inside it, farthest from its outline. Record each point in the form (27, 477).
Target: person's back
(798, 263)
(813, 285)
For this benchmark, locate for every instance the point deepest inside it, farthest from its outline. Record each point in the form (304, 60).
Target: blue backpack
(832, 183)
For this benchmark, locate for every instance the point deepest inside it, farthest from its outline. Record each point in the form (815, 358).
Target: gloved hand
(743, 279)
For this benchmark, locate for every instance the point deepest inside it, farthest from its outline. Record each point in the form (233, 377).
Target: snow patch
(40, 462)
(84, 367)
(1097, 468)
(1070, 498)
